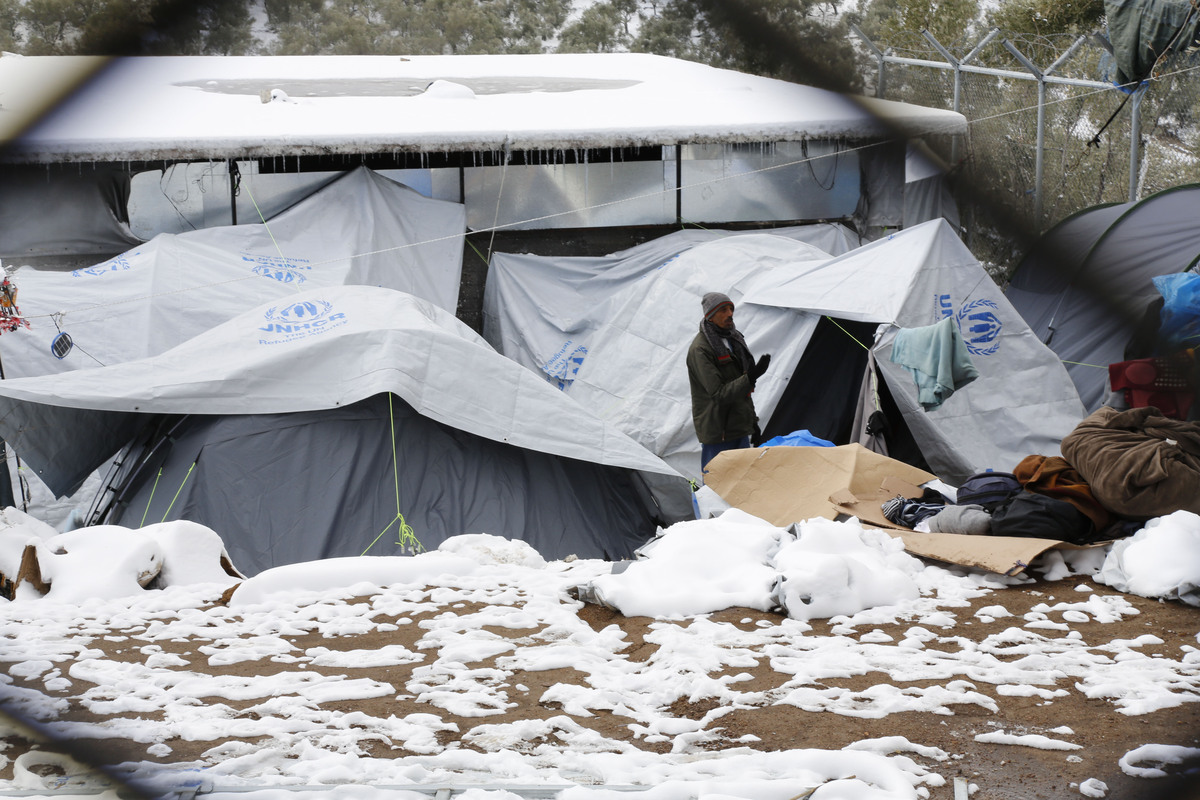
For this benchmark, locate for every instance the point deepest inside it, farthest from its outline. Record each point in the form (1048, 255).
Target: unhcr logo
(299, 321)
(278, 268)
(564, 365)
(977, 321)
(118, 264)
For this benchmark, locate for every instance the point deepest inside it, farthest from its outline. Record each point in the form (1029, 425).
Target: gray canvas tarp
(926, 192)
(360, 229)
(340, 482)
(1086, 285)
(64, 212)
(332, 348)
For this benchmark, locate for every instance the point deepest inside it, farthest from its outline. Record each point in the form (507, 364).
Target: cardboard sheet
(784, 485)
(788, 484)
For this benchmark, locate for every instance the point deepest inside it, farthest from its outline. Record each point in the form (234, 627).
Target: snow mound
(697, 567)
(818, 569)
(486, 548)
(834, 568)
(102, 562)
(353, 575)
(1161, 560)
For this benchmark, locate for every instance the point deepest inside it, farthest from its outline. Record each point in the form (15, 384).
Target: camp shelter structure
(321, 427)
(826, 320)
(610, 147)
(361, 228)
(1087, 284)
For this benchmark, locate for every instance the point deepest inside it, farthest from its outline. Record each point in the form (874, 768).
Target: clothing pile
(1118, 468)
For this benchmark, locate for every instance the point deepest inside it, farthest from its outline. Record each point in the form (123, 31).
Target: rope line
(406, 537)
(150, 499)
(267, 227)
(848, 333)
(176, 497)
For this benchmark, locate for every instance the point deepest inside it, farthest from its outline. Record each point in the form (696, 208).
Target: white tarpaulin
(544, 311)
(326, 348)
(635, 374)
(360, 229)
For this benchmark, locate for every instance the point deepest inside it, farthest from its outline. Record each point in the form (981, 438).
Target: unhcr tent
(1087, 284)
(819, 312)
(320, 426)
(360, 229)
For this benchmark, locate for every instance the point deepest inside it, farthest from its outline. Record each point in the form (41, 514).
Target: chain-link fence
(1083, 156)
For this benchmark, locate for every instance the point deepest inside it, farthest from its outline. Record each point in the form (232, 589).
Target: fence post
(1041, 130)
(1135, 144)
(879, 58)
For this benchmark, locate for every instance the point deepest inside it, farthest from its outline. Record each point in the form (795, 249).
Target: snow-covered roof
(174, 108)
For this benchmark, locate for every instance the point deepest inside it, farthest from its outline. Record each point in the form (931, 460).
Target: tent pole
(234, 184)
(679, 185)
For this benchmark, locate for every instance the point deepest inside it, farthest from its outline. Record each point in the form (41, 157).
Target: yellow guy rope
(405, 536)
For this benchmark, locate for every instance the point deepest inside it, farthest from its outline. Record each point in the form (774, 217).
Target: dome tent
(1088, 282)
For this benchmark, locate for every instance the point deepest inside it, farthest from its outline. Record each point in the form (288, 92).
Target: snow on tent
(823, 319)
(1088, 283)
(320, 427)
(362, 228)
(543, 312)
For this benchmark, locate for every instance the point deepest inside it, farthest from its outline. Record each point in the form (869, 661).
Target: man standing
(722, 374)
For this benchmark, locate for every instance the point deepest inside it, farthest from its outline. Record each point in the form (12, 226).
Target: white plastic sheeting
(360, 229)
(544, 311)
(327, 348)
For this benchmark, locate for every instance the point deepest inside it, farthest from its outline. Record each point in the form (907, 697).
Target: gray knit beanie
(712, 301)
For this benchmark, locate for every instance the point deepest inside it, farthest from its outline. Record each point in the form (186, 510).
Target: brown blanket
(1138, 463)
(1055, 477)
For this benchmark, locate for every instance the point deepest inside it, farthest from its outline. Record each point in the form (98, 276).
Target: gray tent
(1087, 284)
(316, 428)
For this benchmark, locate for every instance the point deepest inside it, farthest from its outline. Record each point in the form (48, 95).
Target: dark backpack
(987, 489)
(1041, 517)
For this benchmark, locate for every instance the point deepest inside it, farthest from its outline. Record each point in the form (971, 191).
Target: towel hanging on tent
(937, 357)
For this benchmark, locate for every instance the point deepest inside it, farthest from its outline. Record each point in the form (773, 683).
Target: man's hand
(758, 369)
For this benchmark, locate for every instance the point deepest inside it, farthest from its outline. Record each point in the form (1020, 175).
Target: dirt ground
(1000, 772)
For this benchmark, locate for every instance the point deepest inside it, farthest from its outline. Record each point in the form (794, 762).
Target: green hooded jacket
(722, 408)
